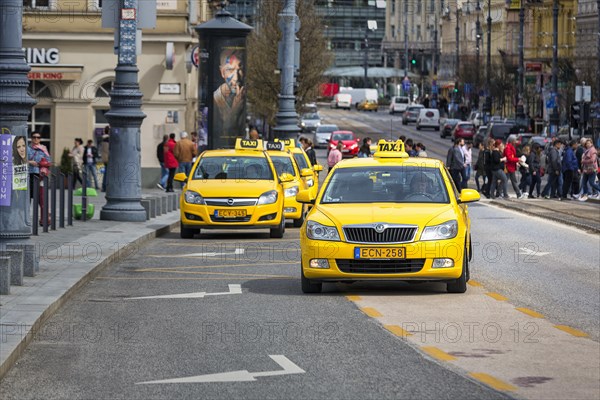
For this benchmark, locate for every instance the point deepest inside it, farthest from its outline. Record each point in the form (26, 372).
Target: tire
(442, 134)
(187, 233)
(298, 222)
(277, 233)
(418, 128)
(437, 128)
(404, 123)
(309, 286)
(460, 285)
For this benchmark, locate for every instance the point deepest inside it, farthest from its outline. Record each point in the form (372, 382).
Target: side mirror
(468, 196)
(180, 177)
(318, 167)
(306, 172)
(303, 196)
(285, 177)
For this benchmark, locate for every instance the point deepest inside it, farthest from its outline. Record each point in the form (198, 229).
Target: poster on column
(13, 165)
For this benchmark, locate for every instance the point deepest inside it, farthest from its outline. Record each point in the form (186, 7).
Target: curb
(56, 305)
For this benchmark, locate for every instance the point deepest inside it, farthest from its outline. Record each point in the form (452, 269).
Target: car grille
(389, 235)
(352, 266)
(236, 219)
(223, 202)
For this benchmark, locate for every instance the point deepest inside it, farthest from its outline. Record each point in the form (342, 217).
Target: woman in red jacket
(170, 161)
(511, 164)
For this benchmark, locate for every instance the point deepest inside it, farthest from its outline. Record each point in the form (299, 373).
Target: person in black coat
(534, 162)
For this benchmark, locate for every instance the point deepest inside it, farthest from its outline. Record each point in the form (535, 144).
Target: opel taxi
(233, 188)
(285, 164)
(309, 172)
(389, 217)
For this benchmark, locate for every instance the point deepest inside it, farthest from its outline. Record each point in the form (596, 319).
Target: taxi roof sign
(279, 146)
(390, 149)
(249, 144)
(288, 143)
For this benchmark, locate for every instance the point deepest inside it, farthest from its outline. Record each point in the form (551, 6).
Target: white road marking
(529, 252)
(209, 254)
(236, 376)
(233, 289)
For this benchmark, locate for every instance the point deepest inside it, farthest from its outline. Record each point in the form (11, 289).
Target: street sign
(406, 84)
(583, 93)
(550, 103)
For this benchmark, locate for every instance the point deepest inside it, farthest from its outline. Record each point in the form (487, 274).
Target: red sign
(533, 67)
(47, 76)
(329, 89)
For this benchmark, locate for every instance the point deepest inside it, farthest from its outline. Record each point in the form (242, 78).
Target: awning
(372, 72)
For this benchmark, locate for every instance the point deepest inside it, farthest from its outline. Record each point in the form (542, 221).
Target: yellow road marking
(216, 273)
(396, 330)
(493, 382)
(497, 296)
(438, 354)
(572, 331)
(371, 312)
(354, 298)
(215, 266)
(182, 279)
(205, 241)
(474, 283)
(529, 312)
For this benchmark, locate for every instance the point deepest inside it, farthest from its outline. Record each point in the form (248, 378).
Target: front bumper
(290, 204)
(203, 216)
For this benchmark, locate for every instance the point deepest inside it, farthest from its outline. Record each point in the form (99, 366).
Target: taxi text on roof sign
(289, 143)
(248, 144)
(389, 149)
(275, 146)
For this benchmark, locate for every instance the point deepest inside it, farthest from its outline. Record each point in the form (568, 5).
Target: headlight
(290, 192)
(316, 231)
(310, 182)
(193, 198)
(268, 197)
(447, 230)
(302, 123)
(354, 146)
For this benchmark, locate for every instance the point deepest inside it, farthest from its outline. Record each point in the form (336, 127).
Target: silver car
(310, 122)
(323, 134)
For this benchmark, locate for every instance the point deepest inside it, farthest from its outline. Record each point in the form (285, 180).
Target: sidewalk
(68, 259)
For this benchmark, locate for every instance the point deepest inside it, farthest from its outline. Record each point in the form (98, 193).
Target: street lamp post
(15, 106)
(366, 60)
(519, 111)
(406, 43)
(477, 48)
(124, 183)
(488, 69)
(554, 117)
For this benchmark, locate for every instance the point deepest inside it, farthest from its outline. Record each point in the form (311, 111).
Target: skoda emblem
(379, 228)
(230, 202)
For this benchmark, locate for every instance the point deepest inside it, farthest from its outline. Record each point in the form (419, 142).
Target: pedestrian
(480, 169)
(77, 154)
(185, 151)
(455, 162)
(468, 156)
(421, 150)
(310, 152)
(525, 181)
(105, 149)
(408, 145)
(535, 170)
(365, 149)
(160, 155)
(487, 165)
(553, 171)
(39, 161)
(589, 162)
(335, 155)
(170, 160)
(569, 169)
(498, 164)
(90, 158)
(510, 152)
(253, 134)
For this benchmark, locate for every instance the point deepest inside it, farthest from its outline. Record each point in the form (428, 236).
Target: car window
(401, 100)
(310, 116)
(233, 167)
(300, 160)
(400, 184)
(342, 136)
(283, 165)
(327, 128)
(466, 126)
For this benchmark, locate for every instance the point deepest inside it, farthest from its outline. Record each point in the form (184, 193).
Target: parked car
(500, 130)
(399, 104)
(310, 121)
(348, 139)
(464, 130)
(429, 118)
(476, 119)
(412, 113)
(368, 105)
(323, 134)
(341, 100)
(479, 136)
(541, 140)
(447, 125)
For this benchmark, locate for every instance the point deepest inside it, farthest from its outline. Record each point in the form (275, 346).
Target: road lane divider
(354, 298)
(398, 331)
(371, 312)
(233, 289)
(181, 267)
(529, 312)
(437, 353)
(497, 296)
(572, 331)
(474, 283)
(493, 382)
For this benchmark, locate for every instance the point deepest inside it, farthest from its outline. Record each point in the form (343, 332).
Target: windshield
(283, 165)
(501, 131)
(466, 126)
(342, 136)
(327, 128)
(402, 100)
(386, 185)
(310, 116)
(233, 167)
(300, 160)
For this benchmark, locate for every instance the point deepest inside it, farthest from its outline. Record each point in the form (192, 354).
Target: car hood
(391, 213)
(346, 143)
(310, 122)
(231, 187)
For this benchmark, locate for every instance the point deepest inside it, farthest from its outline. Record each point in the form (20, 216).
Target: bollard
(45, 204)
(53, 202)
(61, 200)
(70, 201)
(4, 276)
(31, 262)
(16, 265)
(36, 203)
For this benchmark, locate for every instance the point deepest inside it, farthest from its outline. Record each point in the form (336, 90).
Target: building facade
(72, 63)
(587, 50)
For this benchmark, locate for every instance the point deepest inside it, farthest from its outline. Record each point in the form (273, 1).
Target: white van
(428, 118)
(342, 100)
(399, 104)
(358, 95)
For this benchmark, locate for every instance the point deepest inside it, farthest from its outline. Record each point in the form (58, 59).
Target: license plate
(230, 213)
(379, 252)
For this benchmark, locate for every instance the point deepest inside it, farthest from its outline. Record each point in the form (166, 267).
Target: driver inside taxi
(419, 184)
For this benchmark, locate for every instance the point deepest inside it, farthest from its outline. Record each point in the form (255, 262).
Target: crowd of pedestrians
(176, 156)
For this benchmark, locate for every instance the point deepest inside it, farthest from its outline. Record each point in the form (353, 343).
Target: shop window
(40, 120)
(39, 90)
(100, 118)
(95, 5)
(104, 89)
(49, 4)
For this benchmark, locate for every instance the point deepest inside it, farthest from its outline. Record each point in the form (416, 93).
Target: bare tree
(263, 81)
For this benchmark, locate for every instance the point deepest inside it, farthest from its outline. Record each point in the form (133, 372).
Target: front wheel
(298, 222)
(187, 233)
(277, 233)
(460, 285)
(309, 286)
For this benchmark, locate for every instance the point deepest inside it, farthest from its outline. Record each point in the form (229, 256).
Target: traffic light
(575, 115)
(413, 61)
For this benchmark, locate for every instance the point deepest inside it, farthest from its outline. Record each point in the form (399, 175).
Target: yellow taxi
(309, 172)
(387, 217)
(233, 188)
(368, 105)
(285, 164)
